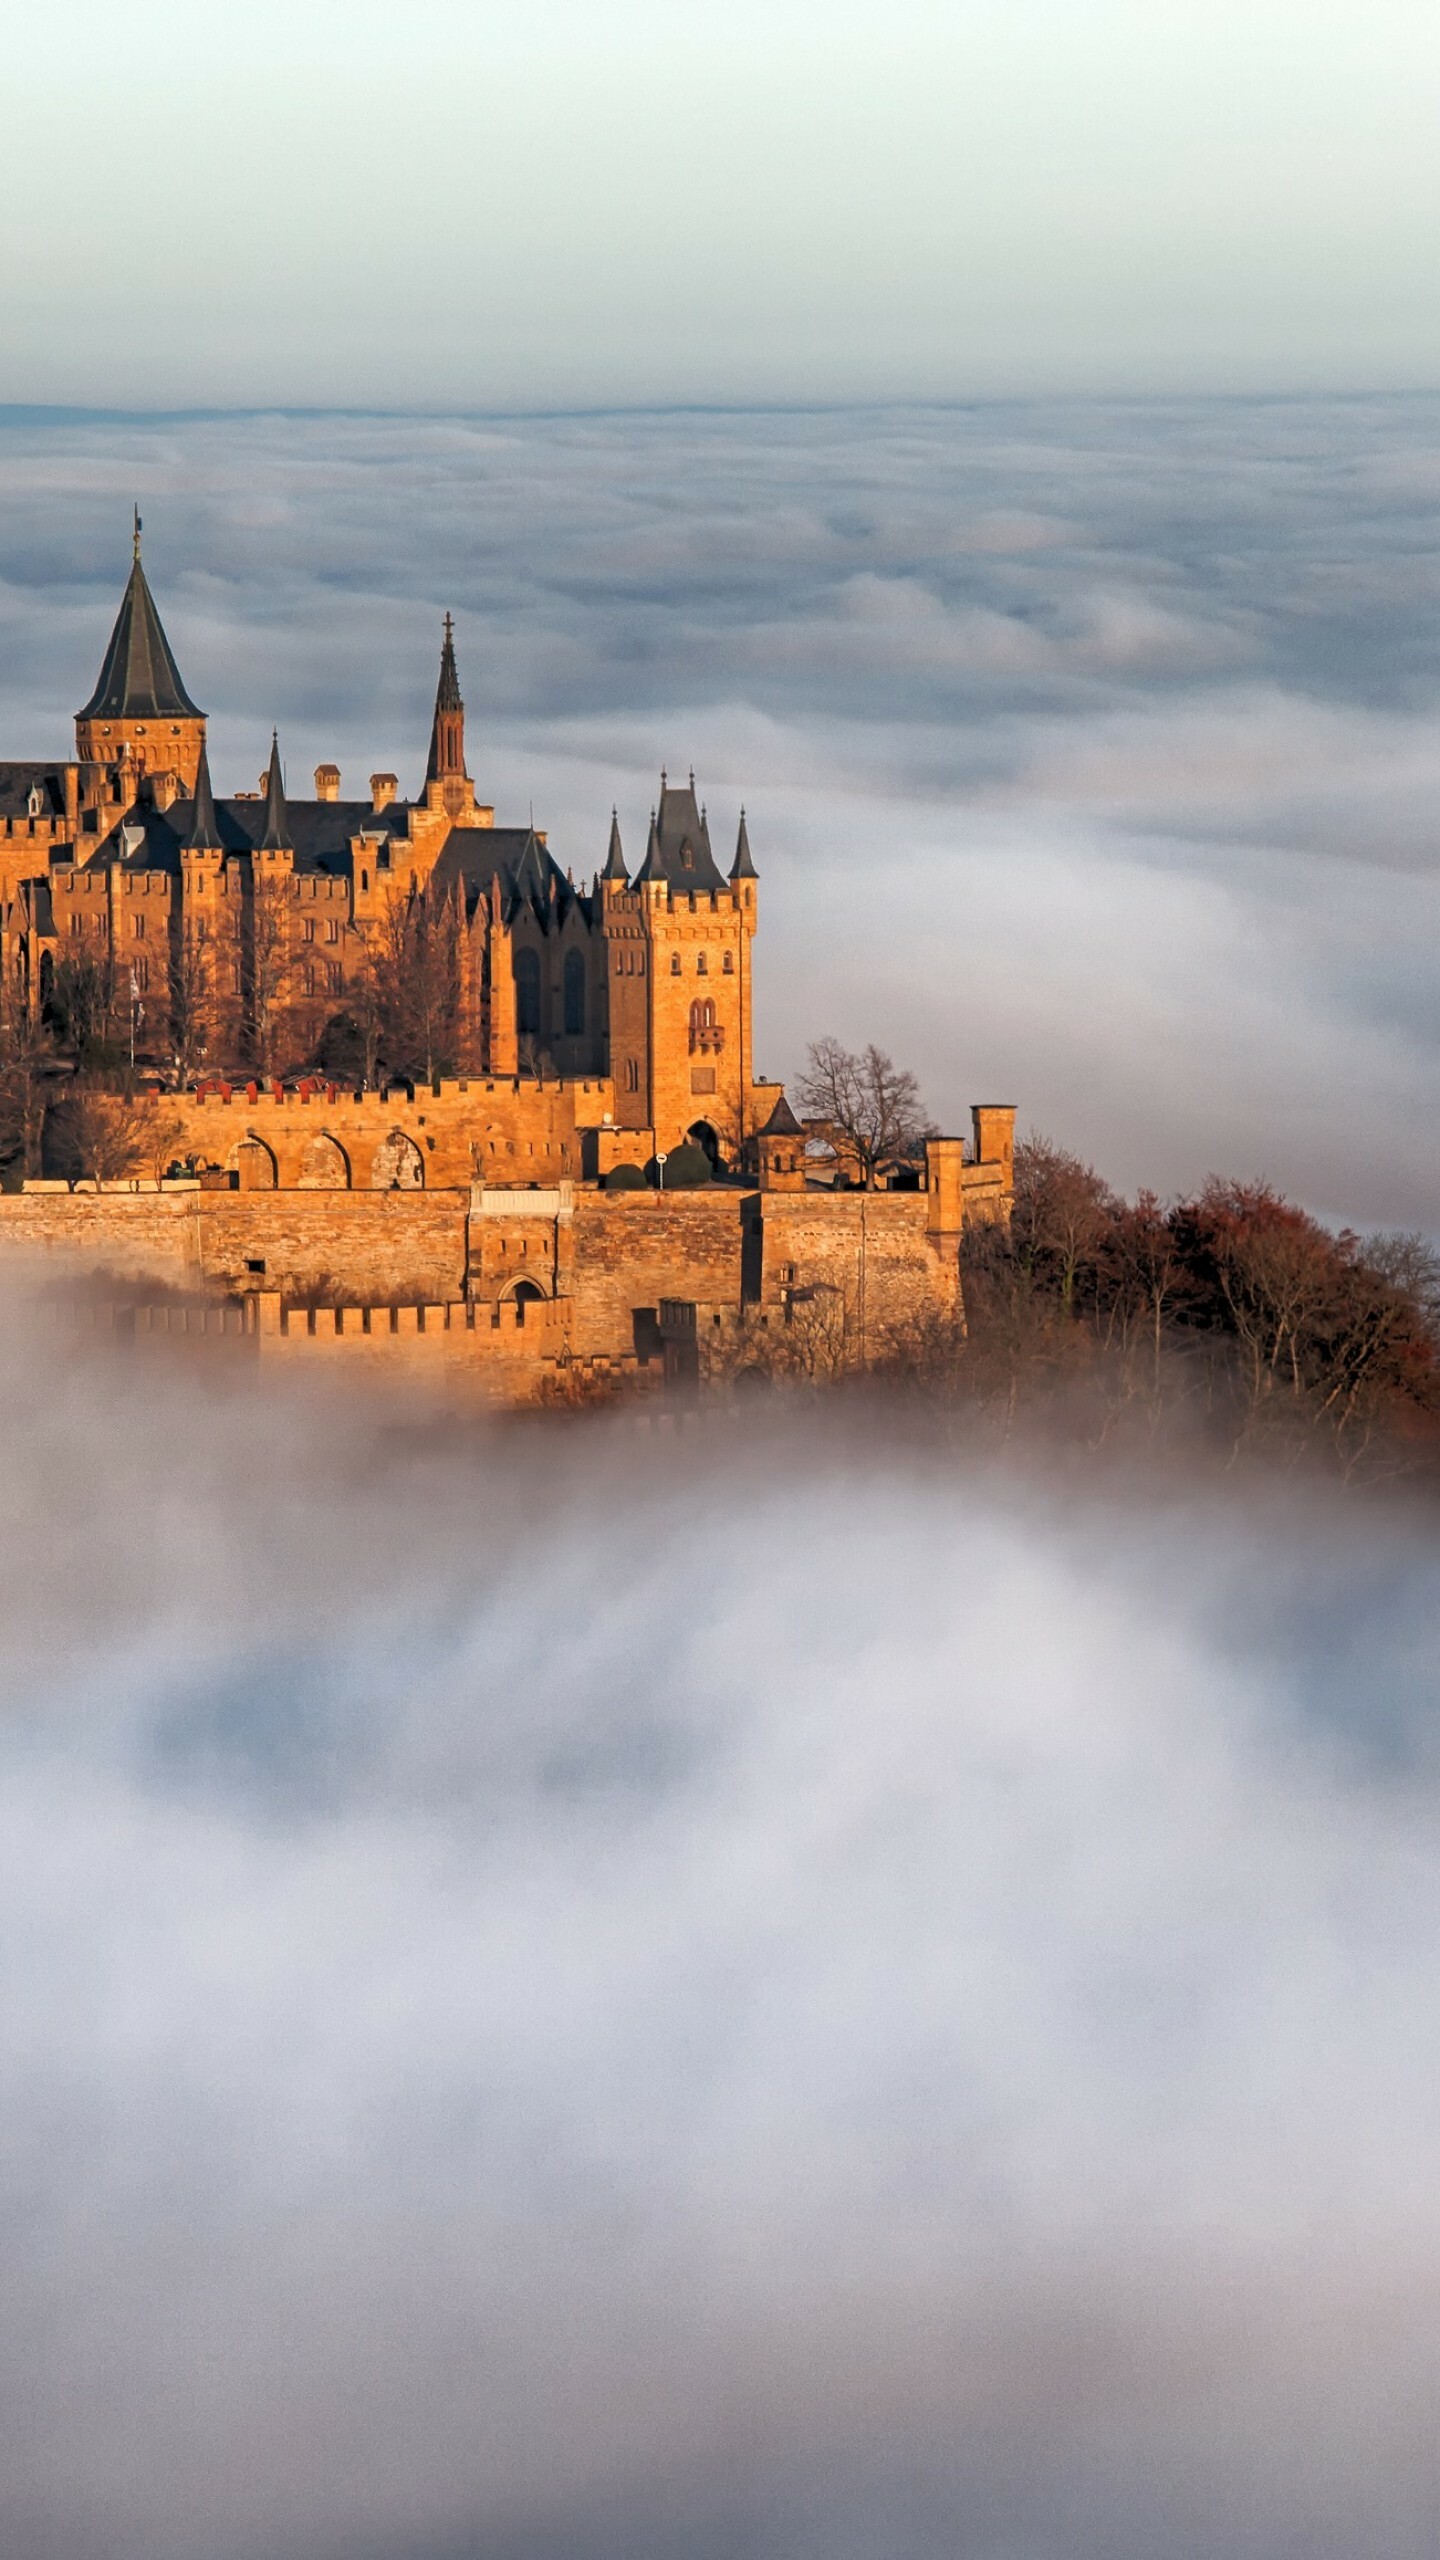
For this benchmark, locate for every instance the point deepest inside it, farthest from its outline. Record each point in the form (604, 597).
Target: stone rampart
(318, 1136)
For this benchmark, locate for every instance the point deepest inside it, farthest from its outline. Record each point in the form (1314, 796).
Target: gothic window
(674, 964)
(77, 924)
(309, 978)
(137, 928)
(141, 975)
(332, 930)
(527, 993)
(336, 976)
(703, 1032)
(574, 994)
(309, 928)
(632, 1075)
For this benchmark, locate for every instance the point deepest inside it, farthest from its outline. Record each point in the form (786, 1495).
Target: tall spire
(139, 679)
(204, 836)
(615, 859)
(742, 868)
(447, 731)
(276, 836)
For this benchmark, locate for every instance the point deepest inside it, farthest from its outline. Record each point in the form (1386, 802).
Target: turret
(140, 714)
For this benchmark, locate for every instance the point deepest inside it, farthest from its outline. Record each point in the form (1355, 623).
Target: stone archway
(324, 1165)
(398, 1165)
(254, 1165)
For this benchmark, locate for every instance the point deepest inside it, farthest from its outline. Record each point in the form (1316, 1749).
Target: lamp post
(661, 1160)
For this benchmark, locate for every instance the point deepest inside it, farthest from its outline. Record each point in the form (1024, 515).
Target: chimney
(383, 787)
(327, 782)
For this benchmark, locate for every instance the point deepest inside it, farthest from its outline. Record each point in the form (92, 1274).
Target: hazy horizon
(1091, 749)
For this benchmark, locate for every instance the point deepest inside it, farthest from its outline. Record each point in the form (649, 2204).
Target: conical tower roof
(139, 679)
(615, 858)
(742, 868)
(204, 835)
(276, 836)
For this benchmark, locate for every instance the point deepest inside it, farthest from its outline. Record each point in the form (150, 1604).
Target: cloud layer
(1090, 751)
(583, 1997)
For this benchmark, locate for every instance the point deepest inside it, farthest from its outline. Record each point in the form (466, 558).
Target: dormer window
(687, 857)
(37, 801)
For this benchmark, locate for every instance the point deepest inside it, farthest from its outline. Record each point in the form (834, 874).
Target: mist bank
(598, 1993)
(1090, 750)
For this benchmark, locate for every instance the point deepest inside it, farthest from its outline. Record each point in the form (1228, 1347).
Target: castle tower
(687, 993)
(446, 781)
(140, 714)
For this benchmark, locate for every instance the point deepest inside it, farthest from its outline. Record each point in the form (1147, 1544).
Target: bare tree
(105, 1132)
(266, 963)
(194, 997)
(82, 1005)
(868, 1108)
(408, 999)
(25, 1052)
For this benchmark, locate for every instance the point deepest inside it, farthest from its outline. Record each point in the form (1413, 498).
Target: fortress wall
(630, 1249)
(381, 1245)
(449, 1351)
(514, 1129)
(876, 1247)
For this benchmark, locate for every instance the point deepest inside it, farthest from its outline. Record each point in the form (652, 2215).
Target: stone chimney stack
(327, 782)
(383, 787)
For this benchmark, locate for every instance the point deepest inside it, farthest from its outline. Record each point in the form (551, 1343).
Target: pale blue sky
(555, 203)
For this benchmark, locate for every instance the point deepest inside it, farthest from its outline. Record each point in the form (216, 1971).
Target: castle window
(702, 966)
(336, 977)
(674, 964)
(202, 928)
(137, 927)
(309, 977)
(140, 974)
(332, 929)
(575, 997)
(309, 928)
(729, 964)
(77, 924)
(364, 884)
(527, 993)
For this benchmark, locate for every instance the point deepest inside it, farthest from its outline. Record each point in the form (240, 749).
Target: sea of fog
(1090, 752)
(575, 1993)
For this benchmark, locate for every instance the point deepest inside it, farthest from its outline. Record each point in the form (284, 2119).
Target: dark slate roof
(204, 831)
(615, 858)
(782, 1122)
(17, 782)
(742, 868)
(526, 869)
(319, 832)
(275, 835)
(679, 848)
(139, 679)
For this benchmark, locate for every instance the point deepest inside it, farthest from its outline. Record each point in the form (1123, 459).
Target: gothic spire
(447, 730)
(204, 835)
(276, 834)
(742, 868)
(615, 859)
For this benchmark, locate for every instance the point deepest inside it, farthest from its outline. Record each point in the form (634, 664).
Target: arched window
(527, 993)
(702, 966)
(729, 964)
(632, 1075)
(674, 964)
(574, 994)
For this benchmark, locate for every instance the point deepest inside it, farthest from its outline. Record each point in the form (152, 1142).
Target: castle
(259, 950)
